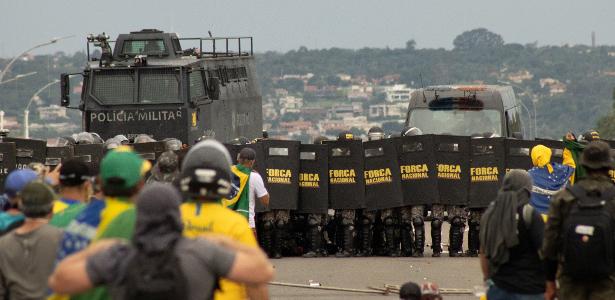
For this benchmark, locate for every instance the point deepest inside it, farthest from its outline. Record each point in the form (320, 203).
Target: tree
(479, 38)
(411, 44)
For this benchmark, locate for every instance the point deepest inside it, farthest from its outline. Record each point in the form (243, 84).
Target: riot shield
(557, 149)
(28, 151)
(91, 154)
(150, 151)
(453, 168)
(233, 150)
(487, 170)
(518, 154)
(313, 179)
(418, 169)
(8, 162)
(282, 173)
(382, 175)
(57, 155)
(346, 182)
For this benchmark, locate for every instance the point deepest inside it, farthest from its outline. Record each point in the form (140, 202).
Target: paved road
(375, 271)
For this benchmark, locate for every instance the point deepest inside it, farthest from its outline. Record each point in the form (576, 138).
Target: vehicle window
(457, 122)
(197, 88)
(114, 86)
(159, 86)
(144, 47)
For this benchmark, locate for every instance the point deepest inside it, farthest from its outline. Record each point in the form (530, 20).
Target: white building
(52, 112)
(398, 93)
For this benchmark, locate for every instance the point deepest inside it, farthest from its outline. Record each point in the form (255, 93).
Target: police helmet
(206, 171)
(589, 136)
(410, 131)
(111, 143)
(172, 144)
(97, 138)
(84, 138)
(375, 133)
(120, 138)
(242, 140)
(143, 138)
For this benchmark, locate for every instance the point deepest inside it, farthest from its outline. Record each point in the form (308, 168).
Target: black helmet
(410, 131)
(320, 140)
(589, 136)
(375, 133)
(206, 171)
(242, 140)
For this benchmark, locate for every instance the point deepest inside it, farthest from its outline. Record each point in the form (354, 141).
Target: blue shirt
(549, 183)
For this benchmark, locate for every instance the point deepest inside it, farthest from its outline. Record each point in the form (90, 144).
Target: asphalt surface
(360, 273)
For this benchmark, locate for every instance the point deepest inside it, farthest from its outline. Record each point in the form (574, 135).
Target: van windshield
(484, 122)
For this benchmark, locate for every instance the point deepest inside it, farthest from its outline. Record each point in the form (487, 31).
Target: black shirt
(524, 272)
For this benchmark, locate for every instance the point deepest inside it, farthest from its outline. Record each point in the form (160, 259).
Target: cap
(247, 154)
(345, 135)
(36, 199)
(16, 181)
(124, 166)
(597, 155)
(410, 291)
(74, 172)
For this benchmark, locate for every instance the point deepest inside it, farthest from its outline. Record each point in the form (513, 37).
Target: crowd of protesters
(132, 231)
(550, 233)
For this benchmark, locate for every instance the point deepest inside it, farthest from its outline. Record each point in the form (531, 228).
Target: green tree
(479, 38)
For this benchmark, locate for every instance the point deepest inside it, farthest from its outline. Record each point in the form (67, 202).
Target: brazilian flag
(576, 149)
(239, 198)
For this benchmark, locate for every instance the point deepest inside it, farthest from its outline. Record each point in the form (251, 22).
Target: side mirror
(517, 135)
(213, 88)
(65, 89)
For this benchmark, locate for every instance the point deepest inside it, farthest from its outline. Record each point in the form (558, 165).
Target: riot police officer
(387, 216)
(315, 224)
(346, 217)
(413, 243)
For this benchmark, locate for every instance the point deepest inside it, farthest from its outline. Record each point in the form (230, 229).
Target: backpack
(588, 235)
(155, 276)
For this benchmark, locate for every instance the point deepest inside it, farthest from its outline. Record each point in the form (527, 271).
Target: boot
(456, 238)
(266, 237)
(419, 240)
(473, 239)
(348, 242)
(436, 237)
(278, 239)
(315, 241)
(391, 244)
(366, 241)
(407, 240)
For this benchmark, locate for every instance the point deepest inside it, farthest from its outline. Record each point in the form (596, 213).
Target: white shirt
(257, 190)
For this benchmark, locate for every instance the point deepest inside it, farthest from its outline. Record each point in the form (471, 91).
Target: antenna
(209, 31)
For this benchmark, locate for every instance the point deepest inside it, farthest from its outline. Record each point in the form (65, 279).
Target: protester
(121, 175)
(75, 185)
(548, 177)
(578, 239)
(166, 168)
(239, 197)
(27, 254)
(511, 236)
(12, 217)
(575, 147)
(160, 263)
(410, 291)
(203, 213)
(257, 190)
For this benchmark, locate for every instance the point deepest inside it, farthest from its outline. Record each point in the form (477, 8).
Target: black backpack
(588, 235)
(156, 276)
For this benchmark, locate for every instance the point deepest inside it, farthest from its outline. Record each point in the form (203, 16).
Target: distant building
(397, 93)
(340, 112)
(385, 110)
(520, 76)
(52, 112)
(290, 104)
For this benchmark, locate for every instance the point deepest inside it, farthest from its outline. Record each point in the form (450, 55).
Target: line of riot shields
(372, 175)
(18, 153)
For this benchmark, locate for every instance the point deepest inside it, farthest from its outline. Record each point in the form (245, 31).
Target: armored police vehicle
(150, 84)
(466, 110)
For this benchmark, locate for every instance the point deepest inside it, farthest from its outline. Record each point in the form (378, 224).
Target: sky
(282, 25)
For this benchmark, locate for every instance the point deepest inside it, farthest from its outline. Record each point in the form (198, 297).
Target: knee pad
(366, 221)
(347, 222)
(349, 227)
(267, 225)
(279, 224)
(457, 221)
(474, 222)
(417, 222)
(313, 222)
(389, 221)
(436, 223)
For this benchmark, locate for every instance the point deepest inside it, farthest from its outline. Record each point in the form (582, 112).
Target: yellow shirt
(200, 218)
